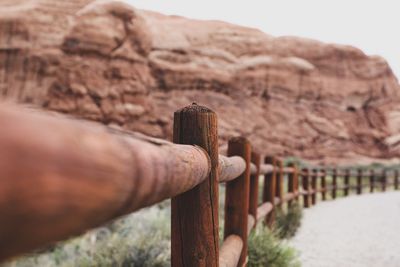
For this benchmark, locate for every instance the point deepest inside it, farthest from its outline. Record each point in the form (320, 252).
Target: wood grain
(292, 177)
(254, 178)
(323, 184)
(194, 240)
(346, 182)
(334, 183)
(269, 190)
(372, 181)
(60, 176)
(230, 251)
(279, 182)
(305, 178)
(314, 179)
(230, 168)
(237, 196)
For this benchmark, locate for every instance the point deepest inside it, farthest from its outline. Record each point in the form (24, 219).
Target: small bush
(140, 239)
(143, 239)
(266, 249)
(288, 223)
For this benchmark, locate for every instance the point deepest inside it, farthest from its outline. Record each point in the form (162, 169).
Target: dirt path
(358, 231)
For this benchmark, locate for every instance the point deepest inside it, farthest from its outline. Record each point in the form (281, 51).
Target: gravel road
(358, 231)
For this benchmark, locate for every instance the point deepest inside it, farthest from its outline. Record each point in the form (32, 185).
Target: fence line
(60, 176)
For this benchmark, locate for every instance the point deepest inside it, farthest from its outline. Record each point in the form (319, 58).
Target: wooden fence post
(323, 184)
(305, 178)
(279, 182)
(334, 183)
(383, 180)
(359, 181)
(269, 190)
(237, 196)
(296, 181)
(396, 179)
(346, 182)
(194, 215)
(372, 180)
(314, 179)
(292, 182)
(253, 202)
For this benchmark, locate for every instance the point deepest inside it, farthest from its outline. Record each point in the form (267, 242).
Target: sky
(371, 25)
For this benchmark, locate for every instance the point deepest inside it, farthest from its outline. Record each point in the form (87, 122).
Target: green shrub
(287, 223)
(143, 239)
(140, 239)
(266, 249)
(295, 160)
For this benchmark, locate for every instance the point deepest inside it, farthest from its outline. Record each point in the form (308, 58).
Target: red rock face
(111, 63)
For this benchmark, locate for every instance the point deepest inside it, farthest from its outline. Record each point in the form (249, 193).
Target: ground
(358, 231)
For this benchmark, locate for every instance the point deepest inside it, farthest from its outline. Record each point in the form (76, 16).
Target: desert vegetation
(140, 239)
(143, 239)
(108, 62)
(267, 249)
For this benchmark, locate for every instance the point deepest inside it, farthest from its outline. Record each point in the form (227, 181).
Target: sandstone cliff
(109, 62)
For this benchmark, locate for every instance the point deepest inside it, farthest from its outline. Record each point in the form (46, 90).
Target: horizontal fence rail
(60, 176)
(230, 168)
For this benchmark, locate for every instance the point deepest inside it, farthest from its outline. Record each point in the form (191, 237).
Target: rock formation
(109, 62)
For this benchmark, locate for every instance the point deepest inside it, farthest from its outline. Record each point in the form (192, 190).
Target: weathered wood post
(292, 181)
(237, 196)
(334, 183)
(359, 181)
(269, 190)
(305, 178)
(279, 182)
(383, 180)
(253, 202)
(396, 179)
(323, 184)
(314, 179)
(194, 214)
(372, 180)
(346, 182)
(296, 181)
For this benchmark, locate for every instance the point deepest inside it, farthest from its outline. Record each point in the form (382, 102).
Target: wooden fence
(60, 177)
